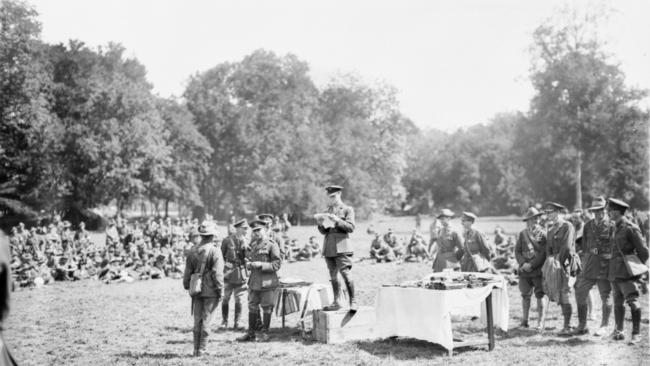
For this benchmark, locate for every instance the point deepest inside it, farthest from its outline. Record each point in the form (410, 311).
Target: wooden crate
(342, 326)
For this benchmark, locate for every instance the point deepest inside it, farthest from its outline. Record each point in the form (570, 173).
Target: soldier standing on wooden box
(264, 262)
(337, 247)
(626, 240)
(530, 252)
(234, 249)
(595, 267)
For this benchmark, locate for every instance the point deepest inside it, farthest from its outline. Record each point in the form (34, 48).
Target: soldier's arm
(322, 229)
(346, 223)
(460, 251)
(518, 249)
(276, 260)
(635, 237)
(188, 272)
(567, 247)
(539, 258)
(216, 270)
(486, 249)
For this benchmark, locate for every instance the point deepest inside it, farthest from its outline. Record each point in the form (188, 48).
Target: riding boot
(636, 325)
(336, 290)
(266, 324)
(619, 318)
(607, 310)
(224, 315)
(566, 313)
(353, 302)
(237, 316)
(525, 307)
(197, 338)
(250, 333)
(541, 314)
(258, 320)
(582, 320)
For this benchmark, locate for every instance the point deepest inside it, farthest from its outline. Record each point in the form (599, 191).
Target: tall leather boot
(619, 318)
(353, 301)
(541, 314)
(636, 326)
(266, 321)
(237, 316)
(604, 322)
(566, 313)
(258, 320)
(250, 333)
(197, 339)
(525, 307)
(336, 289)
(224, 315)
(583, 309)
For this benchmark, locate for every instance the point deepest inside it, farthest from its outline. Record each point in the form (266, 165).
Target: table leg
(490, 321)
(284, 296)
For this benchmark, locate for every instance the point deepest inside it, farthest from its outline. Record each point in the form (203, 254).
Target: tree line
(81, 127)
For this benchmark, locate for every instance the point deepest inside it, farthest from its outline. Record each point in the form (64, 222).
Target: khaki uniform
(448, 247)
(233, 249)
(476, 252)
(531, 248)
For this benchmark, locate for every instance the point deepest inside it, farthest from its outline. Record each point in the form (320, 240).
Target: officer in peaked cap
(448, 248)
(596, 255)
(264, 262)
(476, 252)
(626, 241)
(337, 247)
(234, 248)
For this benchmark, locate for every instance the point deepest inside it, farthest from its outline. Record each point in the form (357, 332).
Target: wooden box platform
(342, 326)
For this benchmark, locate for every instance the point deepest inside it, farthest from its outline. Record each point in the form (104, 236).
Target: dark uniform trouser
(342, 263)
(627, 291)
(256, 299)
(239, 291)
(582, 287)
(204, 308)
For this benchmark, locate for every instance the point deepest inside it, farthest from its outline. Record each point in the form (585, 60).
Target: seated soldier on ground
(305, 253)
(416, 251)
(380, 251)
(391, 240)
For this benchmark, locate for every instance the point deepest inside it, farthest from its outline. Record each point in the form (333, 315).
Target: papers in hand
(325, 219)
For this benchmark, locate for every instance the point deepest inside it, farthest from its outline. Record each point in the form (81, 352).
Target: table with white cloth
(426, 314)
(294, 296)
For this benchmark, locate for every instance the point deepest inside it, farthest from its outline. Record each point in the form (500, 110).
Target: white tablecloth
(426, 314)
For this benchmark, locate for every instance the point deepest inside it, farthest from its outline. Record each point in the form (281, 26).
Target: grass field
(149, 323)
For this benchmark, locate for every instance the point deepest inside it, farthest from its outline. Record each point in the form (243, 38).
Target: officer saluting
(264, 261)
(337, 247)
(626, 240)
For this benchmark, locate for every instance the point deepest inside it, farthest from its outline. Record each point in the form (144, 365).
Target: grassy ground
(149, 323)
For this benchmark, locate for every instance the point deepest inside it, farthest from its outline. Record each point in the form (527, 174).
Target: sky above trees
(454, 63)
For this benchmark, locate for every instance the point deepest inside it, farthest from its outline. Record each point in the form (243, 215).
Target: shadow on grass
(407, 348)
(148, 355)
(573, 341)
(180, 341)
(179, 329)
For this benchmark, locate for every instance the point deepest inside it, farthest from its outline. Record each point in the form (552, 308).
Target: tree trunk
(166, 208)
(578, 180)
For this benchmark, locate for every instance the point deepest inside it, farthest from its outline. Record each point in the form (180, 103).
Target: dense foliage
(81, 127)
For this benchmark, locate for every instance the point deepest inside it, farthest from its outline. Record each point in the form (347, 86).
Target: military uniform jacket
(233, 249)
(596, 249)
(212, 283)
(448, 241)
(531, 248)
(627, 236)
(265, 278)
(337, 238)
(560, 242)
(475, 243)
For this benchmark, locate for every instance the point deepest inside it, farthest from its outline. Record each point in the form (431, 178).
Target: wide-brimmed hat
(553, 206)
(207, 229)
(445, 213)
(530, 213)
(469, 216)
(598, 203)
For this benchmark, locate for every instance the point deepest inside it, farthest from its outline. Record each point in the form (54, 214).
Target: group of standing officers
(551, 255)
(241, 265)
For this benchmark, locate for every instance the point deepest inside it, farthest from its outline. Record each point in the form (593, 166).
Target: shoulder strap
(204, 260)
